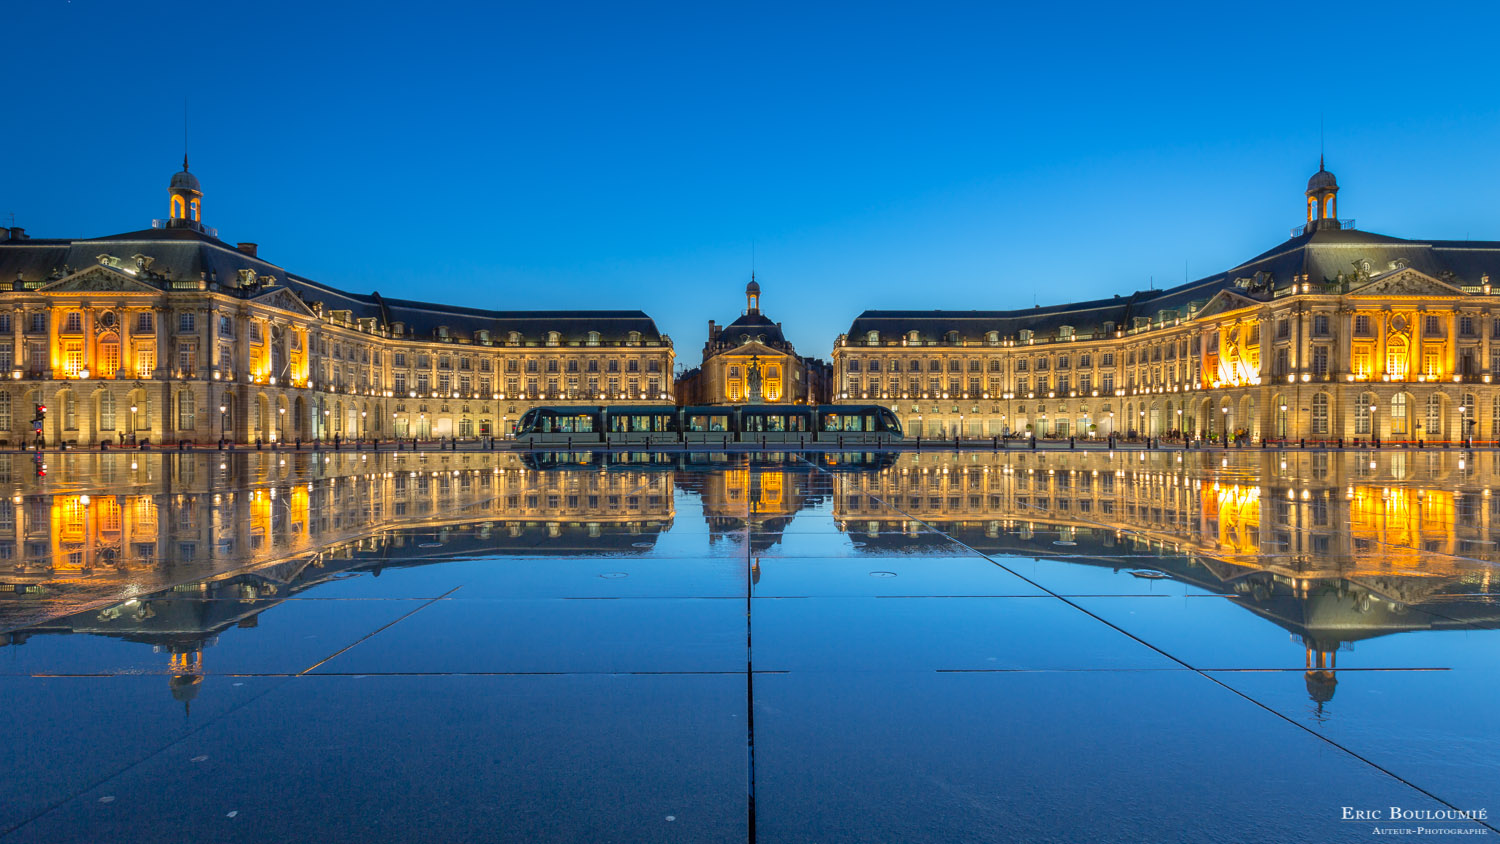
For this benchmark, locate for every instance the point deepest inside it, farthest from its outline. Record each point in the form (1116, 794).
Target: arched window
(1398, 415)
(872, 338)
(179, 208)
(195, 208)
(186, 411)
(593, 338)
(1320, 414)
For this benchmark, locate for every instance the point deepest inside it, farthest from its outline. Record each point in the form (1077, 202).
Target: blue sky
(621, 155)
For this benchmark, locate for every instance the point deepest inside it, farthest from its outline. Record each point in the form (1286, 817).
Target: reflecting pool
(1049, 646)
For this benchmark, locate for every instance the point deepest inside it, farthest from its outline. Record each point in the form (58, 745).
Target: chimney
(247, 248)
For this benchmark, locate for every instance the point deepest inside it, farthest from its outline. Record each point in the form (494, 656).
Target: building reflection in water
(172, 550)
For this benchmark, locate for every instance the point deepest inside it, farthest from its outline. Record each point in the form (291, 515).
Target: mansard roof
(757, 327)
(185, 254)
(1343, 258)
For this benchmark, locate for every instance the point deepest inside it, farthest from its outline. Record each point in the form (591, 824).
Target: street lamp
(133, 426)
(362, 424)
(281, 423)
(223, 422)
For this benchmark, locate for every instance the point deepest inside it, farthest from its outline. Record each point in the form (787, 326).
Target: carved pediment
(754, 348)
(1224, 301)
(98, 279)
(1405, 282)
(285, 299)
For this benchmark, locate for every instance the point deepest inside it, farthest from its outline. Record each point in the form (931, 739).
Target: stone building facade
(1333, 334)
(750, 361)
(171, 334)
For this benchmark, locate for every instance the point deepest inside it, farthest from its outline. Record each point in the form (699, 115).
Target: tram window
(640, 423)
(703, 423)
(580, 424)
(774, 423)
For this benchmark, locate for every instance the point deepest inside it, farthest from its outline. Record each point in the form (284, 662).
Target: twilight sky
(630, 155)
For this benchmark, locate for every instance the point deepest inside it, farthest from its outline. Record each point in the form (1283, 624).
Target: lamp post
(362, 423)
(326, 414)
(223, 422)
(280, 423)
(1281, 421)
(1225, 409)
(133, 426)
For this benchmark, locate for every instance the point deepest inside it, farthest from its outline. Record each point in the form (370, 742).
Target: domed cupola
(187, 199)
(752, 296)
(1322, 200)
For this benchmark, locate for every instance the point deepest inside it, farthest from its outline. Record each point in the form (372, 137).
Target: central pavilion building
(1333, 334)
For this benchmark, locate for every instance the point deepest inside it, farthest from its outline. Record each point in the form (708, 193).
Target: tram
(842, 424)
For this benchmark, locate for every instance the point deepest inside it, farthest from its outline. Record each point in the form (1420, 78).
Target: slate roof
(757, 326)
(185, 254)
(1325, 256)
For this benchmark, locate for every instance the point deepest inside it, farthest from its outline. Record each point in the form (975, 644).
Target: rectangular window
(1320, 325)
(73, 358)
(38, 323)
(74, 322)
(226, 326)
(185, 322)
(187, 356)
(400, 383)
(1466, 326)
(7, 362)
(1320, 360)
(5, 329)
(1431, 326)
(1107, 382)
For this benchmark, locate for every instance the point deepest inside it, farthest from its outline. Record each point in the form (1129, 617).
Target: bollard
(1341, 442)
(1072, 443)
(1033, 442)
(1303, 442)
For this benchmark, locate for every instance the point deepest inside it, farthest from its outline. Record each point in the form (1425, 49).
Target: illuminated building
(749, 347)
(147, 335)
(1334, 334)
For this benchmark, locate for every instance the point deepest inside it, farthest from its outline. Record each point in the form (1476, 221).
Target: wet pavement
(1162, 647)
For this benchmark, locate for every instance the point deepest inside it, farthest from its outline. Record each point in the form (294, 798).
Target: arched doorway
(299, 417)
(106, 417)
(262, 417)
(1401, 415)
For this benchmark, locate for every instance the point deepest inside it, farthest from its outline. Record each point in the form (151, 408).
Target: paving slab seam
(1393, 775)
